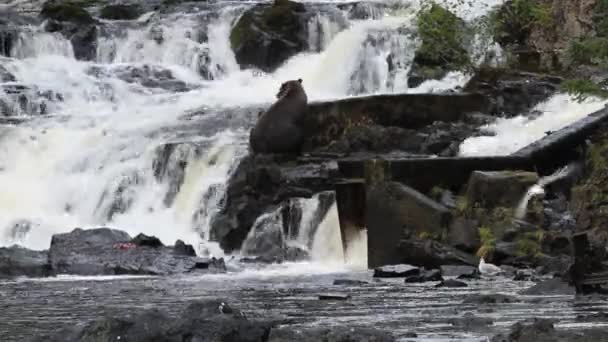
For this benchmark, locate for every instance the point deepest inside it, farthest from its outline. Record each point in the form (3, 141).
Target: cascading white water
(512, 134)
(92, 161)
(539, 189)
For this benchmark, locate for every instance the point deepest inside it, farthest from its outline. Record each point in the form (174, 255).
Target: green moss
(443, 37)
(529, 244)
(581, 89)
(589, 51)
(514, 21)
(66, 11)
(488, 241)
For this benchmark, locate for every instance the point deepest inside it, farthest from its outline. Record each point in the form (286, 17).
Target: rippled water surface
(35, 306)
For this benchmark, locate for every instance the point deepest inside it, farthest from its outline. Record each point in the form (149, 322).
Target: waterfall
(539, 189)
(145, 137)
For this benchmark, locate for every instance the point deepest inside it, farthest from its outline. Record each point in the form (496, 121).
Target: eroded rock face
(17, 261)
(262, 182)
(105, 251)
(120, 12)
(267, 35)
(491, 189)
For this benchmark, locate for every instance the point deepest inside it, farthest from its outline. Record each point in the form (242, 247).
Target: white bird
(488, 268)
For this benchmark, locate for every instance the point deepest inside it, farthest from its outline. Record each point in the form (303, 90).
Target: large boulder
(75, 24)
(433, 254)
(464, 235)
(260, 184)
(394, 212)
(443, 37)
(104, 251)
(491, 189)
(66, 11)
(17, 261)
(512, 92)
(120, 12)
(266, 35)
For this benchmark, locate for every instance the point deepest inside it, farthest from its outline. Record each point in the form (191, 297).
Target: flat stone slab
(396, 271)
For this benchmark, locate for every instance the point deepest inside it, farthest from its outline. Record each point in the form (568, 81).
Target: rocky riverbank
(105, 251)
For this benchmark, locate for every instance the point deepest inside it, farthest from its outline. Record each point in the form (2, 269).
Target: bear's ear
(300, 80)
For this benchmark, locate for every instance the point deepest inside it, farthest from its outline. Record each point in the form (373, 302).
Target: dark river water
(34, 306)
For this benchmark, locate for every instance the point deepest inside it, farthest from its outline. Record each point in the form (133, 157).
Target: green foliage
(515, 19)
(601, 18)
(589, 51)
(488, 241)
(529, 244)
(443, 37)
(581, 89)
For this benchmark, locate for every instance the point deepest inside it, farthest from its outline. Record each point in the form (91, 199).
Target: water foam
(512, 134)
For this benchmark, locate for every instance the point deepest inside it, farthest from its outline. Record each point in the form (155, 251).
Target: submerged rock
(555, 286)
(16, 261)
(334, 334)
(430, 253)
(396, 271)
(543, 330)
(451, 283)
(109, 251)
(426, 276)
(350, 282)
(489, 299)
(334, 296)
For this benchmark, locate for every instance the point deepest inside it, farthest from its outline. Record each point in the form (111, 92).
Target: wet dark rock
(433, 254)
(425, 276)
(65, 11)
(5, 75)
(22, 100)
(464, 235)
(149, 76)
(8, 37)
(350, 282)
(184, 249)
(457, 270)
(16, 261)
(543, 330)
(512, 92)
(260, 184)
(18, 230)
(489, 299)
(396, 271)
(212, 320)
(491, 189)
(525, 276)
(82, 36)
(469, 321)
(144, 240)
(555, 286)
(105, 251)
(334, 296)
(470, 276)
(335, 334)
(120, 12)
(451, 283)
(267, 35)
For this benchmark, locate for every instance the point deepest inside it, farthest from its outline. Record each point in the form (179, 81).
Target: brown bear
(280, 129)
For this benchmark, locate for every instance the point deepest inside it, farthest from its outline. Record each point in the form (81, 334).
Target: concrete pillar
(350, 200)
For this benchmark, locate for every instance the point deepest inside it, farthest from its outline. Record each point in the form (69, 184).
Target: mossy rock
(443, 37)
(590, 198)
(492, 189)
(267, 35)
(515, 20)
(66, 11)
(120, 12)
